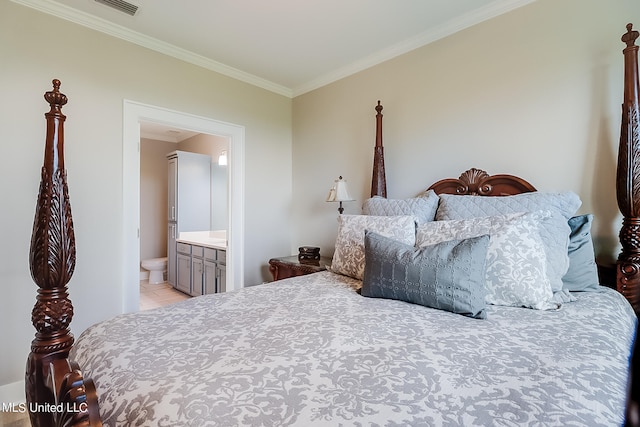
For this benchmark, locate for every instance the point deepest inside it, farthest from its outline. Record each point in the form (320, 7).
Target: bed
(398, 332)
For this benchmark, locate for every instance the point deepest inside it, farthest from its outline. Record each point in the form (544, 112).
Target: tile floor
(153, 296)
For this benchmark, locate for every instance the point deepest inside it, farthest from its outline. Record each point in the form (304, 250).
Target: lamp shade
(339, 192)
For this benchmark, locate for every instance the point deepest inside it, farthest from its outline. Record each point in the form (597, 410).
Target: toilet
(156, 267)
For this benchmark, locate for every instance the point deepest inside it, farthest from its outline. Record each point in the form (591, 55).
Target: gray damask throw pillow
(554, 233)
(516, 273)
(348, 258)
(447, 276)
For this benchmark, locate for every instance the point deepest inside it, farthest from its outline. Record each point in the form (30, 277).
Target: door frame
(134, 113)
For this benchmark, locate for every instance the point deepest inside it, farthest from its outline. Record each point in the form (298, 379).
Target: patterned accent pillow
(423, 208)
(554, 233)
(447, 276)
(582, 275)
(516, 273)
(348, 258)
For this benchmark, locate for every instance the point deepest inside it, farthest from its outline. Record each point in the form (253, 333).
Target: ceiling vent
(121, 5)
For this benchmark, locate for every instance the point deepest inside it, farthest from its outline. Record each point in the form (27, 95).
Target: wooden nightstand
(285, 267)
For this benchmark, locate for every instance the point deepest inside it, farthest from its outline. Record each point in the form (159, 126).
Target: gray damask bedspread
(310, 351)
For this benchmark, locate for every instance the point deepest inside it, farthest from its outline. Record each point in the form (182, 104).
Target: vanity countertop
(216, 239)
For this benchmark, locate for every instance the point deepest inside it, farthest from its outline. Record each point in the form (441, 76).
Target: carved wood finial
(628, 176)
(630, 36)
(53, 254)
(51, 260)
(378, 179)
(379, 108)
(55, 99)
(50, 378)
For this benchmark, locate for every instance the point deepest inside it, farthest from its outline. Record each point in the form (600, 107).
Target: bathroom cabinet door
(184, 273)
(221, 277)
(209, 277)
(197, 276)
(171, 254)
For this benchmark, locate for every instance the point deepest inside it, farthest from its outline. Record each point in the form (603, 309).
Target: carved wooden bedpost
(51, 380)
(628, 178)
(378, 180)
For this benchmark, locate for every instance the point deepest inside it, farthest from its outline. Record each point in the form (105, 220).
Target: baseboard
(12, 393)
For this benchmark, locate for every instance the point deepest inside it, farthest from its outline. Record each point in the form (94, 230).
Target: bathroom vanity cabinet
(200, 270)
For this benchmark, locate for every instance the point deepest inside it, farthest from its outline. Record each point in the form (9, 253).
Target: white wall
(97, 73)
(535, 93)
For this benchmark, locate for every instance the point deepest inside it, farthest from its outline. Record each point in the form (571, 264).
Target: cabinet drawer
(197, 251)
(183, 248)
(222, 256)
(210, 254)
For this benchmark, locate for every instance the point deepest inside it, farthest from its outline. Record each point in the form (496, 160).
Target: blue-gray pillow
(582, 275)
(423, 208)
(448, 276)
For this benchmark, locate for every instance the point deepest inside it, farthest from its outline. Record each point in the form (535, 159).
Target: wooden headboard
(476, 182)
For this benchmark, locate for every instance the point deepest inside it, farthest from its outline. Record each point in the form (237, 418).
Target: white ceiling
(159, 132)
(286, 46)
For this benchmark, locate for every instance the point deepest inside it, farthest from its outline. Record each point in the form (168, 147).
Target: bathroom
(155, 143)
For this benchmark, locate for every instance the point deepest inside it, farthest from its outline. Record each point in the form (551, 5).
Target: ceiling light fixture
(222, 159)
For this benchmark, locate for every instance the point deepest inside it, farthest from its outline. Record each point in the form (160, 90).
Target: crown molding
(460, 23)
(102, 25)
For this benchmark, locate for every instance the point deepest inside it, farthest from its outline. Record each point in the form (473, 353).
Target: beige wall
(98, 72)
(153, 197)
(535, 93)
(205, 144)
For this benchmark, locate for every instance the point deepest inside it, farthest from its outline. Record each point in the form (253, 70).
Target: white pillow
(516, 270)
(348, 258)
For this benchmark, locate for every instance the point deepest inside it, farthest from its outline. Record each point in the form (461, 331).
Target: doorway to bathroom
(209, 189)
(135, 114)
